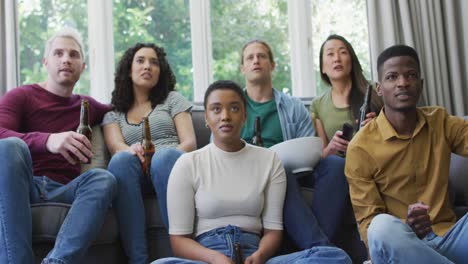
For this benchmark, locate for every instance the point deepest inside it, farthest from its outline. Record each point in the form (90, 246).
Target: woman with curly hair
(144, 87)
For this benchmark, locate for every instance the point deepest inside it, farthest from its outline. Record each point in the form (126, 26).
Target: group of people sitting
(230, 200)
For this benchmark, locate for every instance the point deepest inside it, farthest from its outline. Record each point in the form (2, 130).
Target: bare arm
(269, 245)
(185, 247)
(185, 132)
(321, 131)
(115, 141)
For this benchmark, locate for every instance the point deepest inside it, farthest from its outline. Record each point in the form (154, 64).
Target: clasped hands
(418, 219)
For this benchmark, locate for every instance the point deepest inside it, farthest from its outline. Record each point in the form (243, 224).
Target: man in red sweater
(37, 124)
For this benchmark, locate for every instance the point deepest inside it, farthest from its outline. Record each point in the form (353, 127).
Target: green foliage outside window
(167, 23)
(38, 21)
(235, 22)
(342, 17)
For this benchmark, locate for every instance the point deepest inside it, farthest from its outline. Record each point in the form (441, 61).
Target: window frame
(300, 35)
(101, 48)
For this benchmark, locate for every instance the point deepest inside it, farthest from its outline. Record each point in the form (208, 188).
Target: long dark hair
(122, 96)
(359, 82)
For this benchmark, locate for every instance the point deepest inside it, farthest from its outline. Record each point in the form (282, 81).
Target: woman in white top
(229, 193)
(144, 87)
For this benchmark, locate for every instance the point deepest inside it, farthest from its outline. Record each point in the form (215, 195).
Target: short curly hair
(122, 96)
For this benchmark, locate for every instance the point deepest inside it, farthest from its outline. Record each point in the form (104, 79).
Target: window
(168, 24)
(233, 23)
(38, 20)
(165, 23)
(347, 18)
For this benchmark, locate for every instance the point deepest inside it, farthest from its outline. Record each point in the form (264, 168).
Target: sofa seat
(107, 248)
(458, 182)
(48, 218)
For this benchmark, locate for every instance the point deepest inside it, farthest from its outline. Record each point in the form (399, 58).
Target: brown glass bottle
(238, 253)
(365, 108)
(84, 127)
(148, 147)
(257, 136)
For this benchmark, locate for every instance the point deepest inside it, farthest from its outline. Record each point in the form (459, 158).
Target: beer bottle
(257, 137)
(366, 107)
(84, 127)
(238, 253)
(148, 147)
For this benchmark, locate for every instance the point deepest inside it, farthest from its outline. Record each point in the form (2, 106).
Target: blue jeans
(223, 240)
(392, 241)
(327, 221)
(318, 225)
(161, 167)
(89, 194)
(129, 201)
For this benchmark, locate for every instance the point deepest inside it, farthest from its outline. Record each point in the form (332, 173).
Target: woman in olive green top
(340, 68)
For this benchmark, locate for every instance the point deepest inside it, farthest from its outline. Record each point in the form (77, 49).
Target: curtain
(436, 29)
(8, 46)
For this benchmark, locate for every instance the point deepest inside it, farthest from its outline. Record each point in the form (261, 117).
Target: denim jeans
(161, 167)
(129, 201)
(322, 224)
(392, 241)
(223, 240)
(89, 194)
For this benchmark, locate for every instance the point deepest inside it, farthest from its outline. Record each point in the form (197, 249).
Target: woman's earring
(206, 124)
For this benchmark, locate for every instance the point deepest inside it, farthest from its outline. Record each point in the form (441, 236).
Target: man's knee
(103, 180)
(17, 159)
(12, 147)
(385, 228)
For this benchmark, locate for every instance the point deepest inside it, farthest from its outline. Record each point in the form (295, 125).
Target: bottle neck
(84, 117)
(146, 130)
(257, 128)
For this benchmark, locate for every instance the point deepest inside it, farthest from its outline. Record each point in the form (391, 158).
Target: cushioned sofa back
(201, 131)
(459, 183)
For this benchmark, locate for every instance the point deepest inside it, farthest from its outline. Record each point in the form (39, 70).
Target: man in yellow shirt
(397, 168)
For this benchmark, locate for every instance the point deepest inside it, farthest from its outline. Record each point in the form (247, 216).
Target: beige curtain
(438, 30)
(9, 70)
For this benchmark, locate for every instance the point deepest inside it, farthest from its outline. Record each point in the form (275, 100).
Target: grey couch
(47, 218)
(458, 183)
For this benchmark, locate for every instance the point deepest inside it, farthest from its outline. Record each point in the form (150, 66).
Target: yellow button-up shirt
(387, 171)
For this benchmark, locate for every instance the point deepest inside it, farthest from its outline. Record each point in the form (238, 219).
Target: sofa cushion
(459, 180)
(107, 248)
(48, 218)
(202, 133)
(101, 155)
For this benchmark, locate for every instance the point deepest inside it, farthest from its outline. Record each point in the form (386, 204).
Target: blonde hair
(66, 32)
